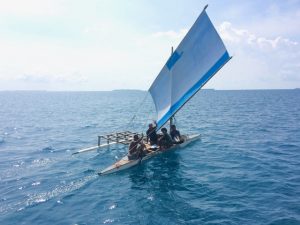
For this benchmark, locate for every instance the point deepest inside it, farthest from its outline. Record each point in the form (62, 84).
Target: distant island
(137, 90)
(126, 90)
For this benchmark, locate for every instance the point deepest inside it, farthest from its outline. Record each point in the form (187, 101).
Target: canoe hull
(125, 163)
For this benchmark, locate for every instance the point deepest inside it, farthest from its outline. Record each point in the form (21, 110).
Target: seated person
(136, 148)
(175, 135)
(165, 141)
(151, 134)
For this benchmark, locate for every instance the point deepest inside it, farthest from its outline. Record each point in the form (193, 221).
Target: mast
(172, 117)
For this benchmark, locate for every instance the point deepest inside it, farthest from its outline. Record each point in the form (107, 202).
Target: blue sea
(245, 169)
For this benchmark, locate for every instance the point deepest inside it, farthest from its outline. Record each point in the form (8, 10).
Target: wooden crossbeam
(124, 137)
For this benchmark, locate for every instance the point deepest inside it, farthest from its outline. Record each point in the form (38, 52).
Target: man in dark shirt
(165, 141)
(136, 148)
(151, 134)
(175, 135)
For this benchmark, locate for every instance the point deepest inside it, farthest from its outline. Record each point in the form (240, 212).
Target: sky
(101, 45)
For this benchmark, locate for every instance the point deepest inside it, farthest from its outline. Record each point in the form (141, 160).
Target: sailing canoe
(198, 57)
(125, 163)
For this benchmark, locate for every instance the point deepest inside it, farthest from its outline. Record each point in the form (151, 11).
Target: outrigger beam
(124, 137)
(93, 148)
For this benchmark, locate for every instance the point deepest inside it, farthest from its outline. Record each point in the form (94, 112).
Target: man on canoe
(175, 135)
(165, 141)
(151, 134)
(136, 148)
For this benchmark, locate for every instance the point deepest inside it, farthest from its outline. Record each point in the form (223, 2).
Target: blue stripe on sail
(225, 57)
(173, 59)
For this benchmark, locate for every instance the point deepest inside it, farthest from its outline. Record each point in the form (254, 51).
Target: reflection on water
(165, 189)
(250, 142)
(159, 172)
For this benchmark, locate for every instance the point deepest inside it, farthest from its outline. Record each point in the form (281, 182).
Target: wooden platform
(124, 137)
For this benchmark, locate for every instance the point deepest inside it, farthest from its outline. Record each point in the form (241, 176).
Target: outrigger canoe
(198, 57)
(125, 163)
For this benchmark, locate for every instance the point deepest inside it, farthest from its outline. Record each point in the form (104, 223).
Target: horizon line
(204, 89)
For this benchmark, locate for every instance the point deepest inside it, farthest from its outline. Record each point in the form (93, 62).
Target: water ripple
(245, 169)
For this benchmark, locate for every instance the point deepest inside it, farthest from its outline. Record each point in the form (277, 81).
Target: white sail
(197, 58)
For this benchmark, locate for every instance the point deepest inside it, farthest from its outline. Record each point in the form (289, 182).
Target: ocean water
(244, 170)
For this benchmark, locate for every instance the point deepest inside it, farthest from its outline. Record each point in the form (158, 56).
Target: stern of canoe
(122, 164)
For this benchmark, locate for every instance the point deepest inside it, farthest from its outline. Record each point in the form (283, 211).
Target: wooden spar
(172, 117)
(99, 140)
(93, 148)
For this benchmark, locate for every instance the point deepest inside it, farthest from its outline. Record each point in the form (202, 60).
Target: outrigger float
(199, 56)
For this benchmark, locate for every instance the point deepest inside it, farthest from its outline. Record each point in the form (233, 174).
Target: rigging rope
(129, 124)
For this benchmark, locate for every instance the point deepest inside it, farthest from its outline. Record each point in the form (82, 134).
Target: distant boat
(199, 56)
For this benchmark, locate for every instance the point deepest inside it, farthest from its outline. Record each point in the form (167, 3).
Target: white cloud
(111, 60)
(171, 34)
(74, 77)
(30, 7)
(232, 34)
(101, 48)
(258, 61)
